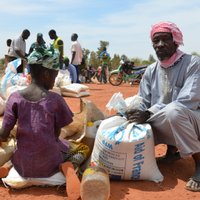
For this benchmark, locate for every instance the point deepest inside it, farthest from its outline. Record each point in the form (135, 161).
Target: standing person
(77, 54)
(170, 93)
(104, 58)
(18, 49)
(39, 43)
(40, 114)
(57, 44)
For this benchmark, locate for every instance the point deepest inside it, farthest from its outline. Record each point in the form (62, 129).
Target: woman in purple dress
(39, 114)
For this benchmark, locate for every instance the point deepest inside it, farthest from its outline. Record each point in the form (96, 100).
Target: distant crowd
(17, 49)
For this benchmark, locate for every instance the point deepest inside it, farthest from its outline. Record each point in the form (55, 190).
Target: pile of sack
(13, 81)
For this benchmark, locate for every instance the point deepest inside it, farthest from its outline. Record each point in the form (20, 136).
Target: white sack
(75, 90)
(14, 180)
(126, 150)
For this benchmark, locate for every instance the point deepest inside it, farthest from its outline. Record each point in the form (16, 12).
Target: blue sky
(125, 24)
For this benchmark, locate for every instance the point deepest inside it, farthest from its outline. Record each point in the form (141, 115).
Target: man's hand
(138, 116)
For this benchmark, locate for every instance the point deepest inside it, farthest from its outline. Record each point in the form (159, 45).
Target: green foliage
(84, 63)
(124, 57)
(93, 57)
(102, 45)
(151, 59)
(1, 61)
(86, 53)
(137, 61)
(115, 62)
(93, 60)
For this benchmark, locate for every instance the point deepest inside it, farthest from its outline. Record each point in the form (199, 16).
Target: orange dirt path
(175, 175)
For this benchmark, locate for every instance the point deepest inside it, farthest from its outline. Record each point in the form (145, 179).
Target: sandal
(193, 185)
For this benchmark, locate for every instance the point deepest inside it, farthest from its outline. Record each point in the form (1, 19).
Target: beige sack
(94, 79)
(6, 150)
(77, 129)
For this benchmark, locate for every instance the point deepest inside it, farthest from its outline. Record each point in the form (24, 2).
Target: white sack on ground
(75, 90)
(14, 180)
(126, 150)
(63, 78)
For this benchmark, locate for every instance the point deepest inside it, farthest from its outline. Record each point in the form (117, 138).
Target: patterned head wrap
(66, 59)
(168, 27)
(48, 58)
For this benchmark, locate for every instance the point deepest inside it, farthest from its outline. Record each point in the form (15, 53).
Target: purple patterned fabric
(38, 152)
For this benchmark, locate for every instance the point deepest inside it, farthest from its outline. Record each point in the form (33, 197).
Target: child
(40, 114)
(71, 68)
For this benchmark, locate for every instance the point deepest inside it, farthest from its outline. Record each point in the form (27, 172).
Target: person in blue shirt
(71, 68)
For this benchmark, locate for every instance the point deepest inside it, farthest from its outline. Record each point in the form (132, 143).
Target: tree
(115, 61)
(84, 59)
(137, 61)
(86, 53)
(102, 45)
(124, 57)
(93, 60)
(1, 61)
(151, 59)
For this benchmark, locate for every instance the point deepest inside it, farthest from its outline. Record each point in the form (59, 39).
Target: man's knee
(174, 111)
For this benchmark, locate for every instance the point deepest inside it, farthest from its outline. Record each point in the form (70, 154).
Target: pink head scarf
(168, 27)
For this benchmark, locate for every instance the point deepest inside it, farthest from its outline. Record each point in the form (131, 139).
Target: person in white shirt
(18, 48)
(77, 54)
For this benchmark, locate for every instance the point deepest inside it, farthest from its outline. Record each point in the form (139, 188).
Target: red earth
(175, 175)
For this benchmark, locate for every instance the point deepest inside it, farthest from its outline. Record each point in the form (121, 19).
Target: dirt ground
(175, 175)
